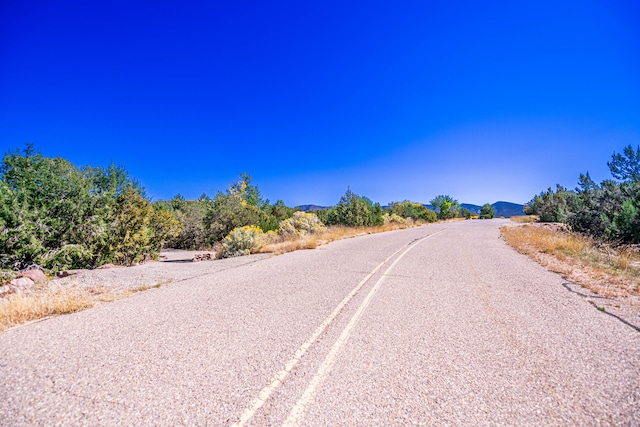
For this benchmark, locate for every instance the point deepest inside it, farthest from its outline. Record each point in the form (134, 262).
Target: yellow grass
(603, 269)
(20, 308)
(525, 218)
(329, 235)
(42, 302)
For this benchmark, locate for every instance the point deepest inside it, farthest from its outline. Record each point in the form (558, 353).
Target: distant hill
(505, 209)
(308, 208)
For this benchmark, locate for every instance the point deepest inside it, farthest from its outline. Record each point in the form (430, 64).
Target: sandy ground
(175, 265)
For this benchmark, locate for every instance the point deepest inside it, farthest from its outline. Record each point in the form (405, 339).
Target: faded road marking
(277, 379)
(299, 410)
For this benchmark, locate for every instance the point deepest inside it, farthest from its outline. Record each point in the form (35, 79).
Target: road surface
(437, 325)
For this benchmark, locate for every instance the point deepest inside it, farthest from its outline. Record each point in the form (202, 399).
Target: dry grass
(41, 302)
(605, 270)
(20, 308)
(329, 235)
(524, 218)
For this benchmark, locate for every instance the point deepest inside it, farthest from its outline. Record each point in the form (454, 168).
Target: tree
(58, 216)
(446, 206)
(626, 166)
(353, 211)
(408, 209)
(249, 194)
(552, 206)
(487, 211)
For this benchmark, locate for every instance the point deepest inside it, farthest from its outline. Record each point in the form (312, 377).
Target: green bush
(408, 209)
(610, 210)
(241, 241)
(487, 211)
(57, 216)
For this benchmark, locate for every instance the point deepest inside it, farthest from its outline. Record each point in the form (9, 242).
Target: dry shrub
(20, 308)
(601, 268)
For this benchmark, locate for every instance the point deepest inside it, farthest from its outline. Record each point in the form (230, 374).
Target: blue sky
(483, 101)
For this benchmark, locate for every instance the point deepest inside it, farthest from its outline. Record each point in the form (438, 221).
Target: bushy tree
(609, 210)
(552, 206)
(626, 166)
(190, 213)
(353, 211)
(57, 216)
(487, 211)
(416, 211)
(446, 206)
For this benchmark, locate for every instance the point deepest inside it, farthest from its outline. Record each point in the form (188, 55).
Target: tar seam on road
(297, 414)
(278, 378)
(588, 299)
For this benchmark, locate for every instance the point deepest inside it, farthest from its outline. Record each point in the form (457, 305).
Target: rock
(21, 283)
(36, 275)
(203, 257)
(4, 289)
(68, 273)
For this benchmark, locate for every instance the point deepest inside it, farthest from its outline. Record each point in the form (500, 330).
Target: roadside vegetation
(609, 211)
(45, 301)
(56, 216)
(590, 234)
(612, 271)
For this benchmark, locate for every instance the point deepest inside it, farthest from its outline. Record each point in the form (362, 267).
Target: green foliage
(626, 222)
(353, 211)
(190, 213)
(241, 241)
(57, 216)
(626, 166)
(416, 211)
(446, 206)
(226, 212)
(300, 224)
(552, 206)
(487, 211)
(249, 194)
(6, 276)
(610, 210)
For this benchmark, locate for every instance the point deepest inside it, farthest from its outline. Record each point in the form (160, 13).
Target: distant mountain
(472, 208)
(507, 209)
(308, 208)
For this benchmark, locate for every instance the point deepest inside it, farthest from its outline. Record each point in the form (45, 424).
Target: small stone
(36, 275)
(202, 257)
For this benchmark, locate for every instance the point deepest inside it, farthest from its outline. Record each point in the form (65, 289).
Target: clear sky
(481, 100)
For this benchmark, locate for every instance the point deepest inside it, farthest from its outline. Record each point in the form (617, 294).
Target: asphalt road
(437, 325)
